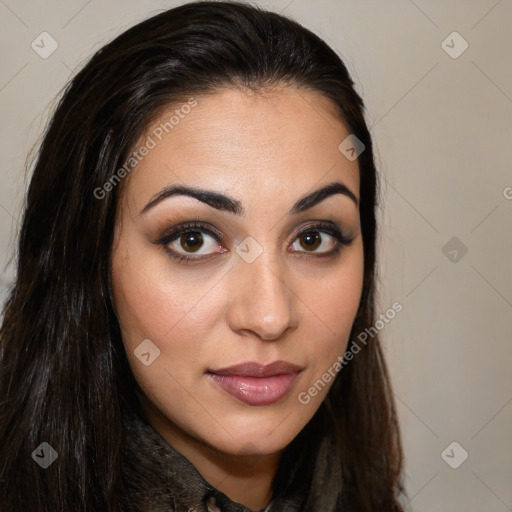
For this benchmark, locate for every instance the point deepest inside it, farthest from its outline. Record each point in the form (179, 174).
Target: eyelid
(195, 225)
(329, 227)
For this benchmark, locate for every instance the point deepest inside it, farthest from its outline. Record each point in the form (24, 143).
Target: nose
(262, 302)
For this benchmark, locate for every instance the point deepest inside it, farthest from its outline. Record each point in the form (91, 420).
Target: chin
(257, 438)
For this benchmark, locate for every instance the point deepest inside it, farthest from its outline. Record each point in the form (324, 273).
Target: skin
(266, 150)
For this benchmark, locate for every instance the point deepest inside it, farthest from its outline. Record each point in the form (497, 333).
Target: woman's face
(265, 281)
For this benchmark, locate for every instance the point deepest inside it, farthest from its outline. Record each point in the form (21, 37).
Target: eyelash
(320, 227)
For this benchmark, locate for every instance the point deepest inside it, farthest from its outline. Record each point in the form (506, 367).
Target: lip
(254, 383)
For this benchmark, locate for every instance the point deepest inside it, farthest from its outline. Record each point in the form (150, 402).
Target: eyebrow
(229, 204)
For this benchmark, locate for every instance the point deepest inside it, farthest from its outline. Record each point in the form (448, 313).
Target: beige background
(443, 131)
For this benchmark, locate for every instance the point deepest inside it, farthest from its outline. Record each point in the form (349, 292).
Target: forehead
(259, 143)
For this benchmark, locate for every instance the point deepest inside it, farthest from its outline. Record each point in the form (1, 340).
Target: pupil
(192, 240)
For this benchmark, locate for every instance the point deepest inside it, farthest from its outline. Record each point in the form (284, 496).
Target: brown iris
(191, 241)
(312, 240)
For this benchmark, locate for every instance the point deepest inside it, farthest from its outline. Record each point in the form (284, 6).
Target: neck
(246, 479)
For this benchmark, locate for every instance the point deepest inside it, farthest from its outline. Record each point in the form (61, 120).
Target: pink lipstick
(256, 384)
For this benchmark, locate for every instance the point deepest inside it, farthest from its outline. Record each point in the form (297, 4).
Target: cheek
(152, 303)
(335, 297)
(332, 306)
(335, 301)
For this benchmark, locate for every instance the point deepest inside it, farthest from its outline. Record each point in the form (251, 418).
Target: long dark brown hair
(64, 375)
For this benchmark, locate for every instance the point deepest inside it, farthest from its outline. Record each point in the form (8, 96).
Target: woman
(196, 254)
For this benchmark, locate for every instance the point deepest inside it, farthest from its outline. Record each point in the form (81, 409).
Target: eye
(194, 242)
(321, 238)
(312, 240)
(191, 242)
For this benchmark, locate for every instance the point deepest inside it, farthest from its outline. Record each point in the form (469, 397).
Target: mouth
(256, 384)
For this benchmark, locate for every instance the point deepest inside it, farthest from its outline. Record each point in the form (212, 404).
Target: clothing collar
(158, 478)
